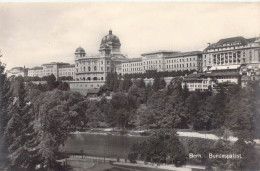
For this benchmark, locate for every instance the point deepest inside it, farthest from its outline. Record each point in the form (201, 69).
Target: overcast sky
(35, 33)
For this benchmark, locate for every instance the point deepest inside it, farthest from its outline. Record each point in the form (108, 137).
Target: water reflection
(101, 145)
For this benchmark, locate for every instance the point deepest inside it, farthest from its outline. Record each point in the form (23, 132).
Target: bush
(132, 157)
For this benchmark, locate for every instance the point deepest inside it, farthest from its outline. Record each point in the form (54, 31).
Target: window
(95, 68)
(89, 69)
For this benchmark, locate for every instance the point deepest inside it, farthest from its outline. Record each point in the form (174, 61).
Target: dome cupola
(111, 41)
(80, 52)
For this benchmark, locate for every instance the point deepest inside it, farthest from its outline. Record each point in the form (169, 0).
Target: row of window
(180, 60)
(89, 78)
(132, 64)
(91, 85)
(66, 69)
(191, 85)
(66, 73)
(89, 69)
(180, 65)
(132, 69)
(159, 61)
(89, 62)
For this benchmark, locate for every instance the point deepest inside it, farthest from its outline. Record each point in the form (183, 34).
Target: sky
(35, 33)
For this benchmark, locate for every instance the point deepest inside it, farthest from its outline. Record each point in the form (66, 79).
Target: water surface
(102, 145)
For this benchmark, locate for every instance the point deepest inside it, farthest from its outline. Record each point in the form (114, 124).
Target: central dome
(111, 41)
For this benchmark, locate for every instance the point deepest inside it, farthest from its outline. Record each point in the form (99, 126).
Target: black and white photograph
(129, 86)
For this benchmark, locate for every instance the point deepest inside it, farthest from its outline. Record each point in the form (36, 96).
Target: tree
(126, 84)
(241, 113)
(163, 146)
(4, 102)
(249, 160)
(185, 91)
(141, 83)
(16, 129)
(51, 81)
(156, 83)
(123, 108)
(162, 83)
(192, 104)
(219, 104)
(112, 81)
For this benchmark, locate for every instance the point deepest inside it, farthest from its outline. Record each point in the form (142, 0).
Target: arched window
(89, 69)
(95, 68)
(89, 78)
(84, 68)
(95, 78)
(102, 78)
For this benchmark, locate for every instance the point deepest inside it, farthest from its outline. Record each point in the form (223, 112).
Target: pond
(102, 145)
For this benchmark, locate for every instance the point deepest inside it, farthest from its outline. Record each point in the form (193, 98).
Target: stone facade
(162, 61)
(58, 69)
(17, 71)
(232, 51)
(91, 70)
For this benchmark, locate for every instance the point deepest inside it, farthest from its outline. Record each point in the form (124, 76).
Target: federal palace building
(91, 71)
(229, 59)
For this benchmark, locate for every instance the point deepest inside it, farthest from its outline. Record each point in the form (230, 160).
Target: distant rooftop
(36, 68)
(56, 63)
(67, 66)
(232, 41)
(198, 76)
(160, 51)
(224, 67)
(132, 60)
(185, 54)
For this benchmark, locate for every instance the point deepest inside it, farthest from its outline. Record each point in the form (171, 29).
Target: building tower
(80, 52)
(111, 41)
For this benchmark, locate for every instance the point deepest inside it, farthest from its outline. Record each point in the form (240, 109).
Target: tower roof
(110, 39)
(80, 50)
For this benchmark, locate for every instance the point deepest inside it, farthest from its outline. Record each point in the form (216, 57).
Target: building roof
(223, 74)
(67, 66)
(56, 63)
(200, 76)
(253, 39)
(80, 50)
(229, 42)
(160, 51)
(19, 68)
(132, 60)
(191, 53)
(240, 39)
(224, 67)
(36, 68)
(110, 39)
